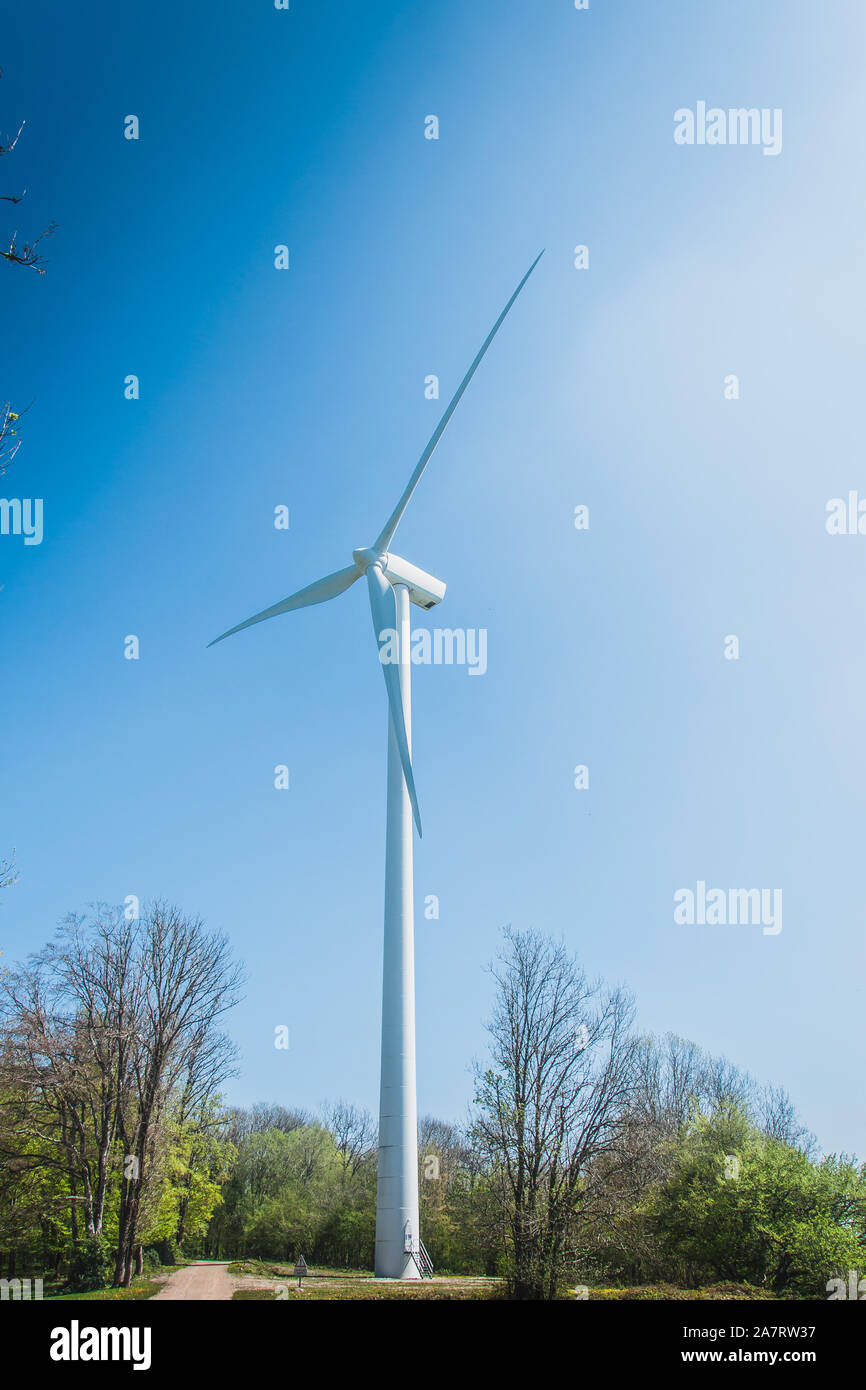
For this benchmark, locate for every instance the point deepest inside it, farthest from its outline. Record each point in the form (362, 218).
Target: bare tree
(778, 1118)
(238, 1124)
(354, 1133)
(8, 871)
(29, 254)
(26, 253)
(101, 1032)
(562, 1074)
(447, 1142)
(65, 1019)
(677, 1076)
(185, 982)
(670, 1080)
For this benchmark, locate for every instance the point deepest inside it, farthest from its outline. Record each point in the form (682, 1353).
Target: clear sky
(305, 387)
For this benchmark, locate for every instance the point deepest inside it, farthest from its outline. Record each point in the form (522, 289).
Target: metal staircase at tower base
(423, 1261)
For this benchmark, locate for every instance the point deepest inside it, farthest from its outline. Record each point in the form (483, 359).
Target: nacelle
(424, 590)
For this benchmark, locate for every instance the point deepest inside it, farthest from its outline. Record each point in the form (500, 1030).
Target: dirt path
(203, 1280)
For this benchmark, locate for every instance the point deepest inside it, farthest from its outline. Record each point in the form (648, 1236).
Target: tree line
(590, 1153)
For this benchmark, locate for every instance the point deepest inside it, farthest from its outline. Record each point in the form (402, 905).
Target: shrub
(90, 1267)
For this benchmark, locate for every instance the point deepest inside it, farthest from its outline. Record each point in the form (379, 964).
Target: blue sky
(306, 388)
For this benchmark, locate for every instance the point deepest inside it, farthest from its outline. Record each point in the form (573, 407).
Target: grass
(272, 1281)
(672, 1293)
(143, 1286)
(275, 1281)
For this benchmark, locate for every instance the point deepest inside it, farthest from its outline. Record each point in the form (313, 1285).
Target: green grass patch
(277, 1282)
(323, 1284)
(141, 1288)
(667, 1293)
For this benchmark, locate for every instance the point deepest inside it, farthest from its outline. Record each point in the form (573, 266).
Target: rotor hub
(366, 557)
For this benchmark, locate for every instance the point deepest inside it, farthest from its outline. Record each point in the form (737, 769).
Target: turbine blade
(385, 536)
(383, 605)
(320, 592)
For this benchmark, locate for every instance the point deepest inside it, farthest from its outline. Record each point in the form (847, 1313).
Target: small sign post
(301, 1270)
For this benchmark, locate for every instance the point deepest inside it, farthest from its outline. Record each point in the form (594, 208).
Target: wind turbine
(393, 584)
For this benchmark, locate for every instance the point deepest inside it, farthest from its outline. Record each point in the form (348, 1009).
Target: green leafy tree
(742, 1206)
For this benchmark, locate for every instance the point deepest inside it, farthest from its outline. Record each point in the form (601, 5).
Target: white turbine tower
(393, 584)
